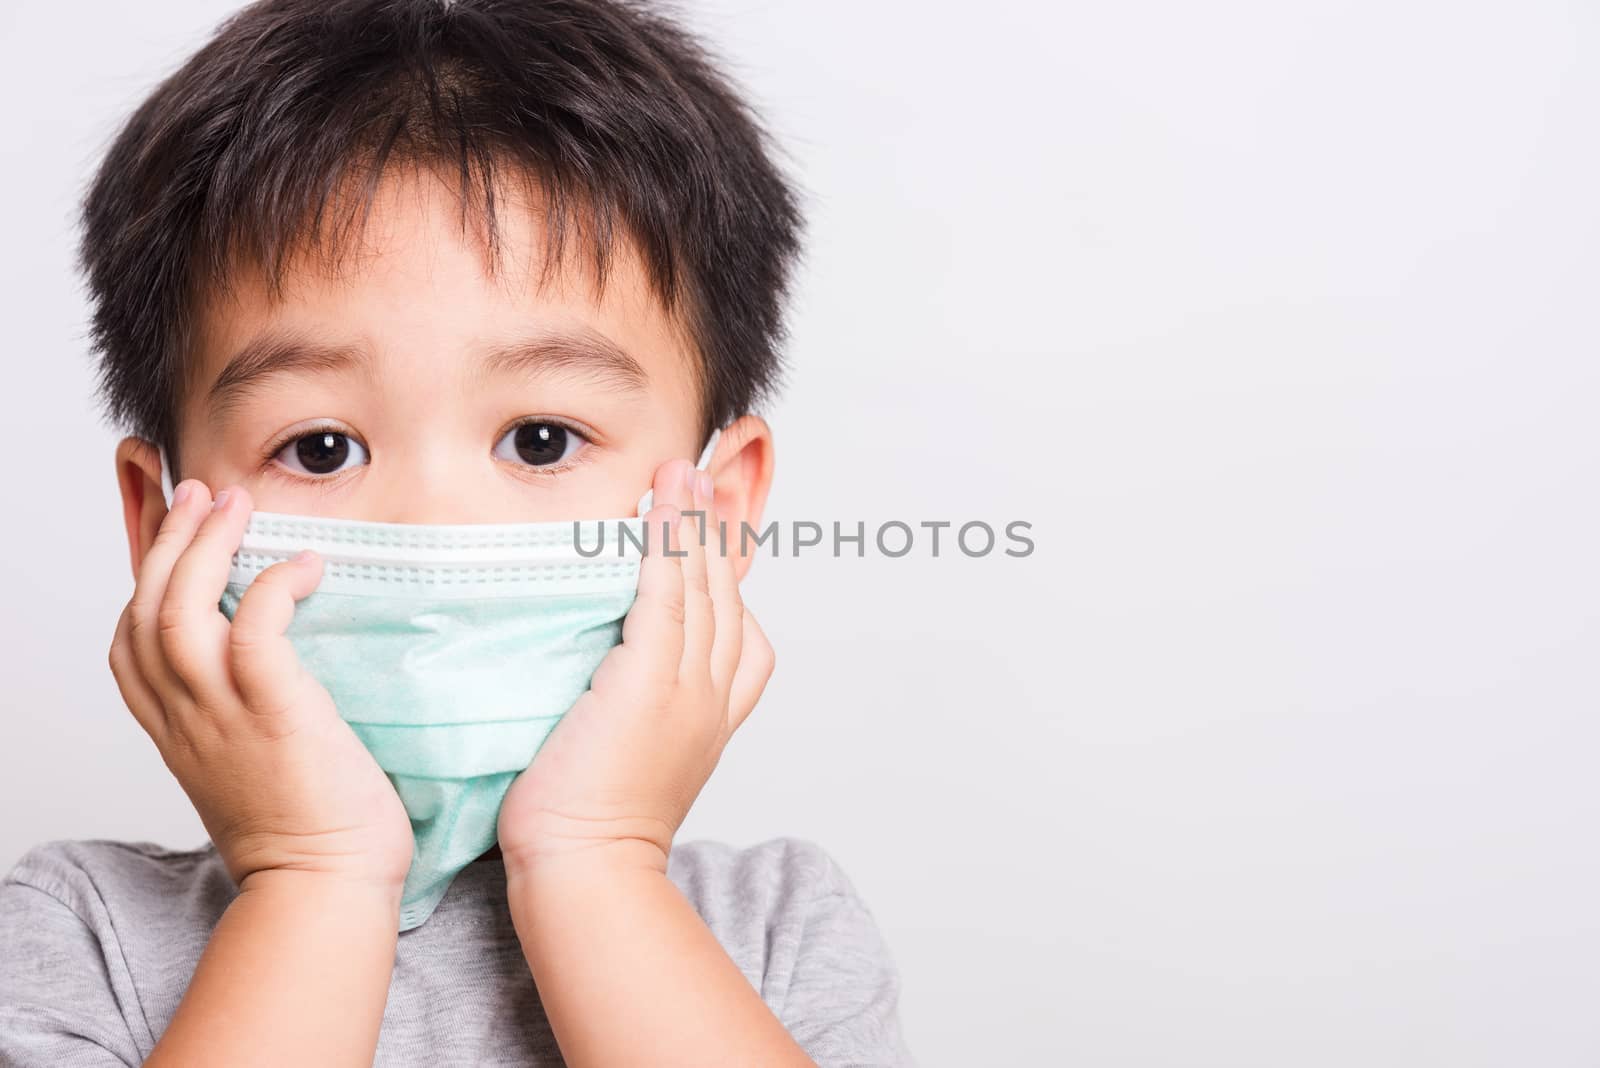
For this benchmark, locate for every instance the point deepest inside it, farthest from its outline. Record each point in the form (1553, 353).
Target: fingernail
(689, 479)
(221, 502)
(706, 488)
(304, 556)
(184, 491)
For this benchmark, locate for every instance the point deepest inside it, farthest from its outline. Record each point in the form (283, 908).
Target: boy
(413, 262)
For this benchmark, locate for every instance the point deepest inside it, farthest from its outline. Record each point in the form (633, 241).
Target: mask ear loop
(649, 499)
(166, 478)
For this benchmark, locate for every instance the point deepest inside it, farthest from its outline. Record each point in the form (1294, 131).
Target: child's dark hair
(616, 115)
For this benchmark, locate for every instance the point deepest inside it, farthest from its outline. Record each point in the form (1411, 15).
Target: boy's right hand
(279, 780)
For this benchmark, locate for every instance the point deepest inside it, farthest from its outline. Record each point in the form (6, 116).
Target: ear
(143, 506)
(741, 474)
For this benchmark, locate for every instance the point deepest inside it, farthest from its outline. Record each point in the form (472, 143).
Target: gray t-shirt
(98, 941)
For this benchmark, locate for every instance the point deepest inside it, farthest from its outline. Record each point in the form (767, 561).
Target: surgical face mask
(452, 651)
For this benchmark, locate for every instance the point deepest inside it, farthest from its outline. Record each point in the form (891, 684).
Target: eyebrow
(583, 351)
(272, 355)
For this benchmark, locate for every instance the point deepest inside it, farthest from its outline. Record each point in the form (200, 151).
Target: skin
(298, 968)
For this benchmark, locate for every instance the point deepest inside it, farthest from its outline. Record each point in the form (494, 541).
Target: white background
(1279, 323)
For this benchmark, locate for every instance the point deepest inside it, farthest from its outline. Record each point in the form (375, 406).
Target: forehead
(420, 276)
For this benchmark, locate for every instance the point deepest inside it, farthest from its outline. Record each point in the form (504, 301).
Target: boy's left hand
(620, 771)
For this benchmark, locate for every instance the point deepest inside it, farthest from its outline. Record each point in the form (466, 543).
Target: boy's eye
(325, 452)
(538, 444)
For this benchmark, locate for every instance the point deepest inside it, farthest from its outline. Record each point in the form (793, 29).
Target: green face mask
(452, 651)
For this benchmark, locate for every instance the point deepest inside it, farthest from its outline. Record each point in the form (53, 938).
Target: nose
(436, 486)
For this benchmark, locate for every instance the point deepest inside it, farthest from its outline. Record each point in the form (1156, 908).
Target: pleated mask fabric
(452, 652)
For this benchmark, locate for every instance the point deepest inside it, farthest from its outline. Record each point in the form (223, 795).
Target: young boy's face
(412, 385)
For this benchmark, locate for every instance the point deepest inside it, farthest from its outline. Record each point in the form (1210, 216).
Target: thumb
(265, 667)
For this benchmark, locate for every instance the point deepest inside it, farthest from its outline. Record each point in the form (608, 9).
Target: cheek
(607, 489)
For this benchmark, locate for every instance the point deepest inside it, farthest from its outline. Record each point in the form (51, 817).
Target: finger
(652, 632)
(194, 632)
(141, 700)
(699, 618)
(727, 605)
(674, 484)
(191, 501)
(755, 668)
(266, 669)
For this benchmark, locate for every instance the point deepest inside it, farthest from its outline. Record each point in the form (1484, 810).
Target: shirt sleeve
(57, 1005)
(843, 999)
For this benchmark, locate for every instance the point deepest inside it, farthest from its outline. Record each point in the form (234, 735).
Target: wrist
(548, 846)
(326, 891)
(579, 871)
